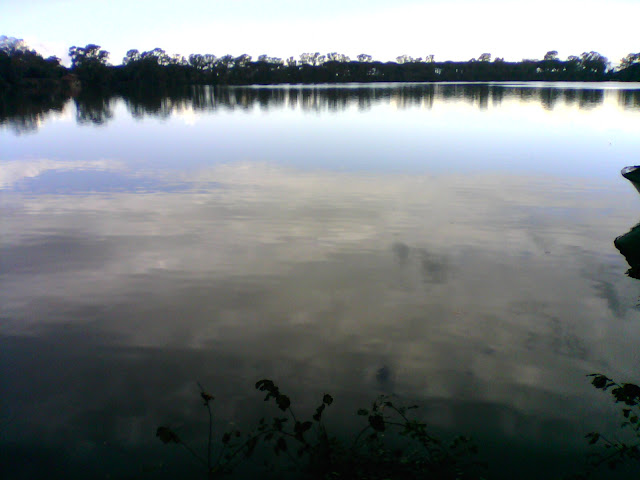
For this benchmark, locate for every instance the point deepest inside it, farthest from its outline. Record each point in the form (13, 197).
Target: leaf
(631, 393)
(283, 402)
(226, 438)
(626, 412)
(268, 386)
(376, 422)
(207, 397)
(599, 381)
(594, 437)
(166, 435)
(363, 412)
(264, 384)
(328, 399)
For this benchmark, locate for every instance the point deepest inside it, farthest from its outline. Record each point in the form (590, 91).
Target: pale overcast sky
(449, 29)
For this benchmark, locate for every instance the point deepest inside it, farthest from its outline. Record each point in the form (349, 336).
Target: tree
(131, 56)
(594, 63)
(629, 68)
(272, 60)
(313, 59)
(12, 45)
(88, 56)
(157, 68)
(209, 61)
(243, 60)
(157, 55)
(404, 59)
(485, 57)
(550, 65)
(197, 61)
(337, 57)
(90, 64)
(21, 66)
(226, 61)
(631, 59)
(177, 59)
(364, 58)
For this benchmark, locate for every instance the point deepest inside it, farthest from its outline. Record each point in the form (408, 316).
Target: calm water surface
(448, 244)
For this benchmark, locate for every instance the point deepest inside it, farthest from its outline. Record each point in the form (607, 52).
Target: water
(448, 244)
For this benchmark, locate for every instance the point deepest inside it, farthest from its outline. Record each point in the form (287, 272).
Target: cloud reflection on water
(436, 283)
(485, 296)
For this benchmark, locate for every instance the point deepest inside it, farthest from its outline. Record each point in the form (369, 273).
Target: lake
(448, 244)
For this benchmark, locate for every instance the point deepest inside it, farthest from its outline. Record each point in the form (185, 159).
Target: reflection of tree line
(25, 113)
(629, 99)
(328, 98)
(93, 109)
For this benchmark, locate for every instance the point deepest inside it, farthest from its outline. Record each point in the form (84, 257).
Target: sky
(385, 29)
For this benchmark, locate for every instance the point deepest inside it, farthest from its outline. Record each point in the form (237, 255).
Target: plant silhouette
(616, 452)
(391, 444)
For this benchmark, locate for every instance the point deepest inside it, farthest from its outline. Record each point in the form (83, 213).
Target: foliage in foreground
(391, 444)
(617, 452)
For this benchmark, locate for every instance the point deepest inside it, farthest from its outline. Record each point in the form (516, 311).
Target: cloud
(14, 171)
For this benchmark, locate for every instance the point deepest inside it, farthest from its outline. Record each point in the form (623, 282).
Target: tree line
(23, 67)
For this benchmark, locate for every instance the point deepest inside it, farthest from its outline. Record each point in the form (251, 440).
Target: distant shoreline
(35, 87)
(23, 68)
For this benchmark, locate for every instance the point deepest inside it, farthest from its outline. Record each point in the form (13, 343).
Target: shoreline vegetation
(392, 443)
(25, 70)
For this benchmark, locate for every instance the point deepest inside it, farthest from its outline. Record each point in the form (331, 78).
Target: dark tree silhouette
(22, 67)
(158, 70)
(89, 63)
(629, 68)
